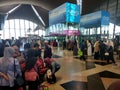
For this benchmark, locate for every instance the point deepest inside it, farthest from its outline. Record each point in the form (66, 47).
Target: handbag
(80, 53)
(18, 81)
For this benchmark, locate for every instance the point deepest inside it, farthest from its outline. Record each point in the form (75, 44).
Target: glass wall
(60, 28)
(105, 31)
(19, 28)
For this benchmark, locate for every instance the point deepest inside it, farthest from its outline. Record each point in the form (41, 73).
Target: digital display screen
(72, 13)
(67, 12)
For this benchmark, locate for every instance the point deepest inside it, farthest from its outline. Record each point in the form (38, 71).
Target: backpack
(31, 75)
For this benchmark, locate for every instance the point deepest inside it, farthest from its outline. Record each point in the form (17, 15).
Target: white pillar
(79, 2)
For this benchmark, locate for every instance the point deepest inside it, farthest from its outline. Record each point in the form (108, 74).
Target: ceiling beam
(39, 17)
(13, 9)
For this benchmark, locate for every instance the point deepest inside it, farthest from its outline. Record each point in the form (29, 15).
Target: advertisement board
(66, 33)
(95, 19)
(72, 13)
(67, 12)
(105, 19)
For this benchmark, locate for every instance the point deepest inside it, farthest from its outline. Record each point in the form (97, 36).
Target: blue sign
(105, 18)
(95, 19)
(72, 13)
(67, 12)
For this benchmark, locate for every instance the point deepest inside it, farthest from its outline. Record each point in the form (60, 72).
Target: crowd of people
(100, 49)
(27, 63)
(34, 63)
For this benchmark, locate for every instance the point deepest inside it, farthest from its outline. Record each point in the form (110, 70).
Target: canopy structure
(96, 19)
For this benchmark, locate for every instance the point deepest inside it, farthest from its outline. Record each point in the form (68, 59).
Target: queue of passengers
(28, 64)
(99, 49)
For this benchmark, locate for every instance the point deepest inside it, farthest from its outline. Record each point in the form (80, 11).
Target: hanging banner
(72, 13)
(66, 32)
(95, 19)
(67, 12)
(72, 32)
(105, 19)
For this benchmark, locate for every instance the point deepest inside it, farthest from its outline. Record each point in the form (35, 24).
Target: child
(53, 68)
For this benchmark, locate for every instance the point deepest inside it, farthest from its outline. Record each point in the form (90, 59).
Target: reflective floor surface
(76, 74)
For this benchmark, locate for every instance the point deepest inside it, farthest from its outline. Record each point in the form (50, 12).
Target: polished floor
(76, 74)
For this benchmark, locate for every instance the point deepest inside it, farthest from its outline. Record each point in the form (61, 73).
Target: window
(19, 28)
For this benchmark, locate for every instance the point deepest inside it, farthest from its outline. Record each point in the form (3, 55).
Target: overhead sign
(67, 12)
(105, 19)
(72, 13)
(95, 19)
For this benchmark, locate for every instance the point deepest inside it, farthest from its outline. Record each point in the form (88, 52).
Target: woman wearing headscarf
(9, 68)
(89, 48)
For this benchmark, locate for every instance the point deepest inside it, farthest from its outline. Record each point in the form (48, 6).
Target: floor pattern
(75, 85)
(76, 74)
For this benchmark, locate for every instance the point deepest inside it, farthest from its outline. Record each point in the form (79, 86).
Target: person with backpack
(31, 70)
(34, 69)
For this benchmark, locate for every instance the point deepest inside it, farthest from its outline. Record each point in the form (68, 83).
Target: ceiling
(25, 9)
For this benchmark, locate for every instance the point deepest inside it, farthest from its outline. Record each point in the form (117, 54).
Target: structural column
(79, 2)
(115, 18)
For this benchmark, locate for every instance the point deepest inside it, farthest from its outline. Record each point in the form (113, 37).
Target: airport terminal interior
(70, 27)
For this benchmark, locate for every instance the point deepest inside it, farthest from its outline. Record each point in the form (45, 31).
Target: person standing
(75, 48)
(64, 44)
(96, 50)
(89, 48)
(111, 55)
(47, 50)
(31, 66)
(9, 68)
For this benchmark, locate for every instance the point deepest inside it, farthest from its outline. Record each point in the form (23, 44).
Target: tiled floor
(76, 74)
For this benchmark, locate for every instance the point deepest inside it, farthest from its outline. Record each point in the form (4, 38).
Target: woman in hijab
(9, 68)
